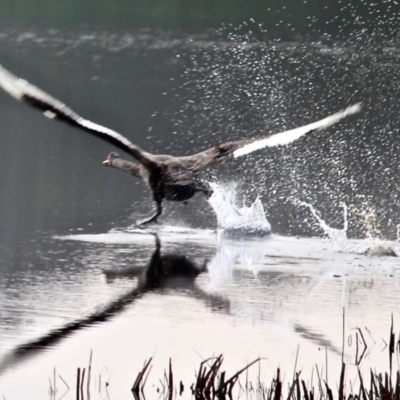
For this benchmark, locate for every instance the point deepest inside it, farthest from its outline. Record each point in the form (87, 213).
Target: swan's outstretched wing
(227, 151)
(53, 108)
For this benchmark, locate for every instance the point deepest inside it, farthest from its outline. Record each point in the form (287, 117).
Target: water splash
(337, 236)
(235, 219)
(371, 245)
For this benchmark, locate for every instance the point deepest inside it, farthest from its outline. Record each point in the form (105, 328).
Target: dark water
(179, 93)
(282, 18)
(177, 82)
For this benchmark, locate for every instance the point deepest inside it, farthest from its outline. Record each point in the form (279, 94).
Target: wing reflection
(233, 270)
(170, 270)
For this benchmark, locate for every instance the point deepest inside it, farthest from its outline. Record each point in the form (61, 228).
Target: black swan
(169, 177)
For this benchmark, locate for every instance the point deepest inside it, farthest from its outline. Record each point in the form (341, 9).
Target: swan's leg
(153, 218)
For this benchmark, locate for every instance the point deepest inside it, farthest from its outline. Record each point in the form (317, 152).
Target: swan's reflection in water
(172, 271)
(168, 273)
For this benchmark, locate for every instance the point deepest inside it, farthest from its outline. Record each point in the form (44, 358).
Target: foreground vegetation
(211, 382)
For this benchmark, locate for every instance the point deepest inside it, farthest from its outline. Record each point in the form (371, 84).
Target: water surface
(268, 297)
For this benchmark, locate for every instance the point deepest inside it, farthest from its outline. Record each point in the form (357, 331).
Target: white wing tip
(334, 118)
(354, 109)
(10, 83)
(287, 137)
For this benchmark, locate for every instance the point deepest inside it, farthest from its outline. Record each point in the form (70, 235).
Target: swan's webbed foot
(209, 193)
(146, 221)
(205, 188)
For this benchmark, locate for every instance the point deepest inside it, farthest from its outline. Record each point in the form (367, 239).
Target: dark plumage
(169, 177)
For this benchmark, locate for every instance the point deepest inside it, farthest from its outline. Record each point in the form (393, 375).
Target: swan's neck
(127, 166)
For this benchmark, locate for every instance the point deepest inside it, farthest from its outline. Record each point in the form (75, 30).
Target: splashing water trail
(337, 236)
(231, 217)
(372, 246)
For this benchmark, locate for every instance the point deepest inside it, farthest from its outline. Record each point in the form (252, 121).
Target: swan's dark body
(171, 178)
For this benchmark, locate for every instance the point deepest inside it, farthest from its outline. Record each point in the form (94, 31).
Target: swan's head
(110, 158)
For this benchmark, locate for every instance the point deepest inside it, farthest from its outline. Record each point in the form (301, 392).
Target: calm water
(75, 276)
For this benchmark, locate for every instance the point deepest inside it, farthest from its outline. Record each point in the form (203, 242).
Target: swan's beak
(106, 162)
